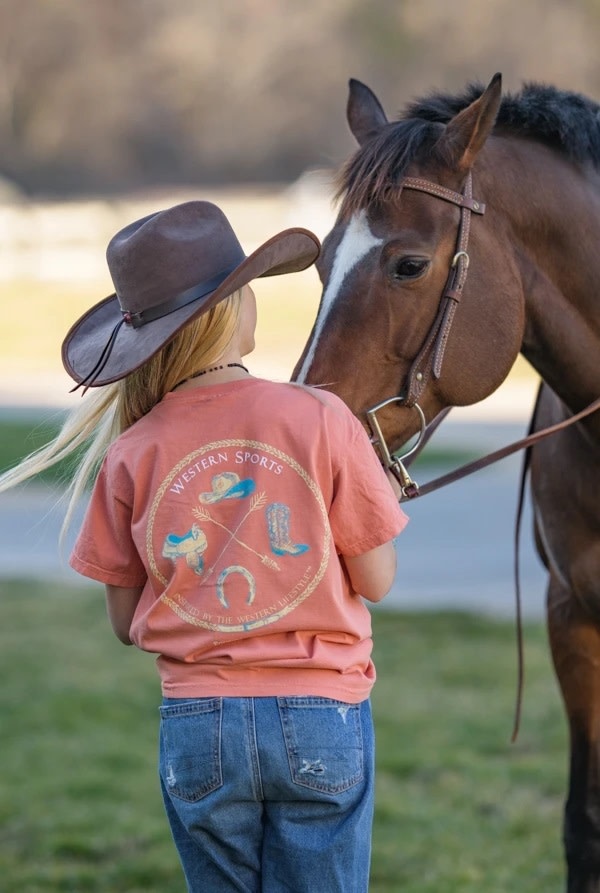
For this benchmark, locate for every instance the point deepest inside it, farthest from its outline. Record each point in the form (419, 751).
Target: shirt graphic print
(227, 538)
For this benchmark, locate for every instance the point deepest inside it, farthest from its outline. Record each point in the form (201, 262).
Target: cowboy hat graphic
(227, 485)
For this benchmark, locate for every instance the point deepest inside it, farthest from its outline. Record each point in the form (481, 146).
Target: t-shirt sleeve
(104, 549)
(365, 512)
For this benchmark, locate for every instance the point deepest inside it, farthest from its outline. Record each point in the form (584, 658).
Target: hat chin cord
(91, 377)
(141, 317)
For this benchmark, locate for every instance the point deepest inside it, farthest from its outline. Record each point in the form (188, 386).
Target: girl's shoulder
(310, 396)
(325, 410)
(132, 440)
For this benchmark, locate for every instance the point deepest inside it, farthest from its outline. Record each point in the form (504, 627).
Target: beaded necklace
(211, 369)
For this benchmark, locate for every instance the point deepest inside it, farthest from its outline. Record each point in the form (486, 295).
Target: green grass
(458, 807)
(19, 438)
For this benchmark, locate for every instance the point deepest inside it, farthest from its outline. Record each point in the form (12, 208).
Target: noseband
(429, 360)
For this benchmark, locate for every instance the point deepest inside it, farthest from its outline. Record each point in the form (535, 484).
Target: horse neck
(551, 210)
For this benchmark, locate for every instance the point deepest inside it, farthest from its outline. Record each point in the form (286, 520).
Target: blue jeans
(268, 795)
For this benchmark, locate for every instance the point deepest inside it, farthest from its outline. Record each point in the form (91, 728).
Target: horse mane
(565, 121)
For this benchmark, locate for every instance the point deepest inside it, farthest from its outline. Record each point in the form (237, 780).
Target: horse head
(426, 303)
(422, 297)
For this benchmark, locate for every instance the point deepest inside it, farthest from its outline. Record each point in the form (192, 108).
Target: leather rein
(429, 360)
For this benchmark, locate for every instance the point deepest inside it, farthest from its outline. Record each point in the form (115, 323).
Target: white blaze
(357, 241)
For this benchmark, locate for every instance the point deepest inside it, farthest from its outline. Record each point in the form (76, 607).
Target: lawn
(459, 808)
(18, 438)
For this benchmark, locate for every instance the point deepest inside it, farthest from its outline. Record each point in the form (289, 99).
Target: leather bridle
(429, 360)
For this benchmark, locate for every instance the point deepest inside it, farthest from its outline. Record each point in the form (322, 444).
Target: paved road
(457, 551)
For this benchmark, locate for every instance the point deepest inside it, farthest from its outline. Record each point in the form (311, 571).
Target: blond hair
(108, 411)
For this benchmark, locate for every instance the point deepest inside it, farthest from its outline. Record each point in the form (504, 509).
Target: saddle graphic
(190, 546)
(278, 523)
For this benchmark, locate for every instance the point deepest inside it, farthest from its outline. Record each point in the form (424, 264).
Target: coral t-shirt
(230, 504)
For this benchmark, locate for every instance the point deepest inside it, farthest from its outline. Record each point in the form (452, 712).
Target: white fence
(59, 240)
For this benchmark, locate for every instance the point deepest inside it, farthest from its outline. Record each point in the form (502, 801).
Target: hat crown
(162, 255)
(167, 269)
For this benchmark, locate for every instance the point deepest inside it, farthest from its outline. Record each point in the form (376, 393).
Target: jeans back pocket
(190, 747)
(324, 742)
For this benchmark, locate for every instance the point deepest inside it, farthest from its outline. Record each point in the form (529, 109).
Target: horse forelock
(366, 178)
(565, 121)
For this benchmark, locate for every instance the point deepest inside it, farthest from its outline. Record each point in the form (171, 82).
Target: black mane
(566, 122)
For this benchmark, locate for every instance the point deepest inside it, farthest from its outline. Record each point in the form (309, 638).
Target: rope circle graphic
(191, 603)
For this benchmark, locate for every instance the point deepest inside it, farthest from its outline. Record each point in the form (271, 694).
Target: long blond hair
(105, 412)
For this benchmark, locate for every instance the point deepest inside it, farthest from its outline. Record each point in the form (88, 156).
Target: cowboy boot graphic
(278, 522)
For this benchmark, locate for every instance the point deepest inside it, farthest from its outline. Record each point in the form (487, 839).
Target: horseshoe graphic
(235, 569)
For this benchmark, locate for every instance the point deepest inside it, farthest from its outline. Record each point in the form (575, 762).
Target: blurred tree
(119, 94)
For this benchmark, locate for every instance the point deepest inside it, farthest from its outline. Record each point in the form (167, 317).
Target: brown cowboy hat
(167, 269)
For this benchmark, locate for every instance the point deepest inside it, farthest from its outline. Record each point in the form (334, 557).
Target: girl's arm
(121, 603)
(372, 573)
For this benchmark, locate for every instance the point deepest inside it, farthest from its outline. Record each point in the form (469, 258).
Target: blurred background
(108, 96)
(113, 109)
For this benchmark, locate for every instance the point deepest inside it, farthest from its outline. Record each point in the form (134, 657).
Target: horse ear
(466, 133)
(364, 112)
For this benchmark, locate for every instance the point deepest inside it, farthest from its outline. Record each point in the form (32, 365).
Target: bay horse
(469, 231)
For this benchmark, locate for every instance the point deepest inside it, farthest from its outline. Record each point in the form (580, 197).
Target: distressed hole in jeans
(312, 767)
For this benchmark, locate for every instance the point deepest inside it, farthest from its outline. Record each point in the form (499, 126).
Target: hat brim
(287, 252)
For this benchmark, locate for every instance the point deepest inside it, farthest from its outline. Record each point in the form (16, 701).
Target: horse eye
(409, 267)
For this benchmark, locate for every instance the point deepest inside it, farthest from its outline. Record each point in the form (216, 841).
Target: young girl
(237, 525)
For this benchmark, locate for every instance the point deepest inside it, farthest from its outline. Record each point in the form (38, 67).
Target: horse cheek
(487, 333)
